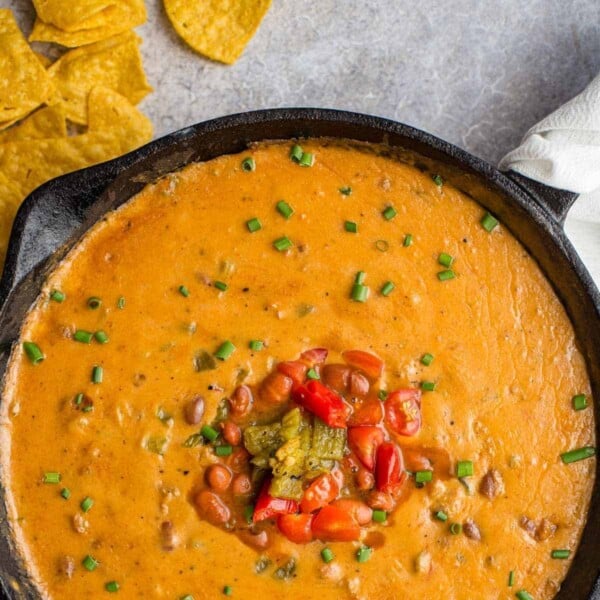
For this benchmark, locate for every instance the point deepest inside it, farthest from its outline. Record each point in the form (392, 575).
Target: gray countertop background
(477, 73)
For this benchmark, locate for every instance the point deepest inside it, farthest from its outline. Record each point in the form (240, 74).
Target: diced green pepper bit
(209, 433)
(85, 337)
(256, 345)
(445, 259)
(225, 350)
(346, 190)
(489, 222)
(351, 226)
(253, 225)
(327, 555)
(284, 209)
(560, 553)
(112, 586)
(379, 516)
(248, 164)
(428, 386)
(282, 244)
(389, 213)
(51, 477)
(90, 563)
(57, 296)
(511, 579)
(579, 401)
(446, 275)
(427, 359)
(408, 240)
(184, 291)
(296, 153)
(578, 454)
(363, 554)
(97, 374)
(65, 493)
(94, 302)
(464, 468)
(440, 515)
(387, 288)
(86, 504)
(524, 595)
(33, 352)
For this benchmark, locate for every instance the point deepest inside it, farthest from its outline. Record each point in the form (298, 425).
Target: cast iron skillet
(55, 215)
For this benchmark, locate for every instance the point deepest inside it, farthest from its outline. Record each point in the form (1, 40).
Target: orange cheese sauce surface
(506, 367)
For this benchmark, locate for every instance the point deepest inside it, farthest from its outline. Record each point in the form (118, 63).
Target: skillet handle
(556, 202)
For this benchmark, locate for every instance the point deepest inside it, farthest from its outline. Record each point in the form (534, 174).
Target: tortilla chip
(115, 63)
(219, 29)
(119, 16)
(71, 16)
(48, 122)
(24, 83)
(46, 62)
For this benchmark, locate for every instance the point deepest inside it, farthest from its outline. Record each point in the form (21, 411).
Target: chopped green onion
(248, 513)
(428, 386)
(524, 595)
(51, 477)
(253, 225)
(427, 359)
(440, 515)
(121, 302)
(65, 493)
(312, 374)
(57, 296)
(90, 563)
(437, 179)
(86, 504)
(256, 345)
(423, 476)
(346, 190)
(489, 222)
(446, 275)
(360, 292)
(248, 164)
(560, 554)
(578, 454)
(227, 590)
(363, 554)
(209, 433)
(221, 285)
(511, 579)
(78, 399)
(225, 350)
(187, 597)
(350, 226)
(379, 516)
(382, 395)
(382, 245)
(387, 288)
(33, 352)
(101, 337)
(183, 290)
(282, 244)
(327, 555)
(224, 450)
(408, 240)
(85, 337)
(284, 209)
(97, 374)
(389, 213)
(112, 586)
(307, 159)
(445, 259)
(94, 302)
(296, 153)
(579, 401)
(360, 277)
(464, 468)
(455, 528)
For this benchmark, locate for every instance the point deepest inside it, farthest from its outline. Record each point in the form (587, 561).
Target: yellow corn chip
(47, 122)
(46, 62)
(119, 16)
(115, 63)
(24, 83)
(71, 16)
(219, 29)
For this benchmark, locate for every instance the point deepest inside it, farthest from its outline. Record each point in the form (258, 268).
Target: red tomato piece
(366, 362)
(314, 356)
(334, 524)
(403, 411)
(360, 512)
(320, 492)
(322, 402)
(369, 412)
(364, 441)
(296, 528)
(267, 506)
(294, 369)
(389, 468)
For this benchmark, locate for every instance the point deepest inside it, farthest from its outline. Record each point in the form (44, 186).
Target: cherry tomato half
(403, 411)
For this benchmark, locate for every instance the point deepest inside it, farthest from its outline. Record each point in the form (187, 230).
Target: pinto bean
(359, 384)
(241, 401)
(294, 369)
(258, 540)
(212, 508)
(545, 529)
(275, 388)
(492, 484)
(232, 434)
(194, 410)
(241, 485)
(471, 530)
(364, 480)
(239, 459)
(168, 535)
(381, 501)
(218, 477)
(336, 376)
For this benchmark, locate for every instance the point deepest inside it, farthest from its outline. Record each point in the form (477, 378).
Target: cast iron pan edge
(55, 215)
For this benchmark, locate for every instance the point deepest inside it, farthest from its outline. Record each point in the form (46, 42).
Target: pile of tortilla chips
(94, 87)
(218, 29)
